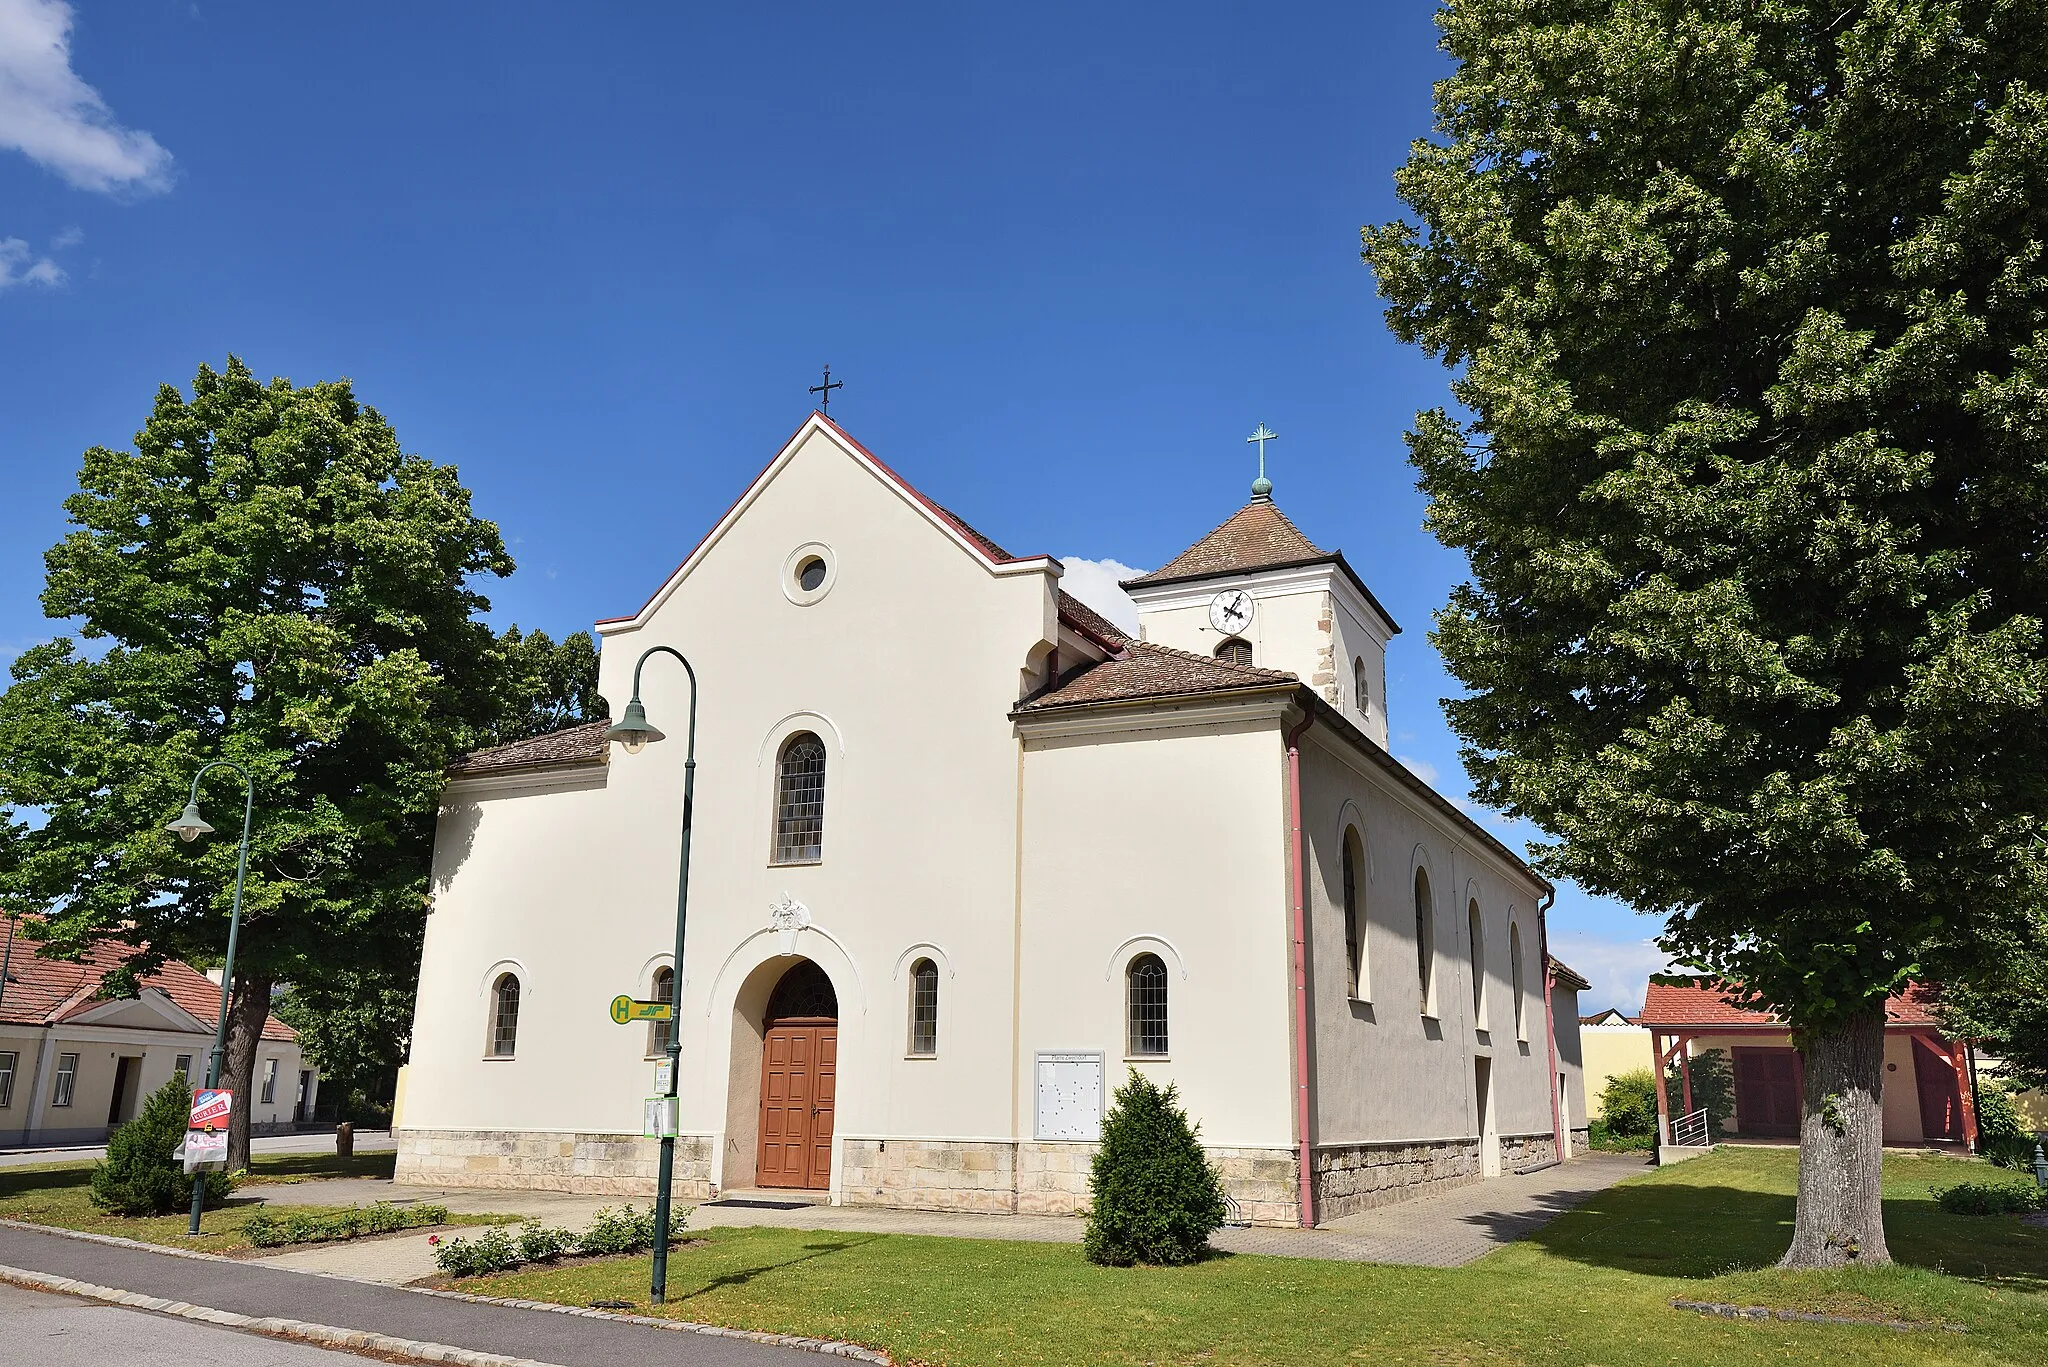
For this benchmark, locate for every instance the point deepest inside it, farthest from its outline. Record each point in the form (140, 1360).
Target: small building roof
(1146, 669)
(582, 743)
(50, 991)
(1255, 537)
(1613, 1015)
(1712, 1003)
(1563, 975)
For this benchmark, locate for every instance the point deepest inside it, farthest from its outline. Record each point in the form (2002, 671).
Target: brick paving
(1446, 1229)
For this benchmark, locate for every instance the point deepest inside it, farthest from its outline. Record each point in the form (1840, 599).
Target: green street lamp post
(636, 733)
(189, 827)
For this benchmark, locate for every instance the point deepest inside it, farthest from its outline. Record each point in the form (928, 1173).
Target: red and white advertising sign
(211, 1107)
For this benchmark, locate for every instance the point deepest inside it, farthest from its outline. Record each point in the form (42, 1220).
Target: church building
(965, 854)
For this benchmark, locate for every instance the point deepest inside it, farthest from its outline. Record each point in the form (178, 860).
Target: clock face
(1230, 611)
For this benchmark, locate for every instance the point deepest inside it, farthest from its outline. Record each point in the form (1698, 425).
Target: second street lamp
(189, 827)
(636, 733)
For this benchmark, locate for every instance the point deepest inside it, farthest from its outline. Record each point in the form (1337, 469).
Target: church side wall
(1396, 1089)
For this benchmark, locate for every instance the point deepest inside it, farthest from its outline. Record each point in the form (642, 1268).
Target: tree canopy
(1747, 307)
(265, 578)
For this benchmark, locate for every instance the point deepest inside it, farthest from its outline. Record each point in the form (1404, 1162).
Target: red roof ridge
(1715, 1003)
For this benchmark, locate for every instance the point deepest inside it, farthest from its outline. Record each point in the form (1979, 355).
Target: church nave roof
(1148, 670)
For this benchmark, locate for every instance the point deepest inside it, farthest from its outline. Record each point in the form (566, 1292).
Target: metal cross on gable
(1262, 436)
(824, 392)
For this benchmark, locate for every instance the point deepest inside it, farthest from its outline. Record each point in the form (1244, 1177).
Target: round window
(810, 574)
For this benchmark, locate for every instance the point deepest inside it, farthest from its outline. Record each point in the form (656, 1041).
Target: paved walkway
(252, 1289)
(1449, 1229)
(313, 1141)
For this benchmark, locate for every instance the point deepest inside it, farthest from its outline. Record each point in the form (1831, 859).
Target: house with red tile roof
(1927, 1093)
(75, 1061)
(965, 853)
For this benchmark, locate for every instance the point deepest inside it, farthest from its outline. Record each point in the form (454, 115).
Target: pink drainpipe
(1550, 1025)
(1297, 859)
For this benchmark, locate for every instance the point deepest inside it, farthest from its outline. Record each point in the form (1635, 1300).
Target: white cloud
(1618, 969)
(58, 120)
(1423, 770)
(1094, 582)
(19, 265)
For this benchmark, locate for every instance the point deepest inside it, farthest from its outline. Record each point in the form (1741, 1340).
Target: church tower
(1255, 590)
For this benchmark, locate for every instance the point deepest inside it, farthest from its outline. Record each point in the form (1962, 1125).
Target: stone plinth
(593, 1164)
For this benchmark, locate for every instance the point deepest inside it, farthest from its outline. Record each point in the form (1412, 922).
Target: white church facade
(964, 854)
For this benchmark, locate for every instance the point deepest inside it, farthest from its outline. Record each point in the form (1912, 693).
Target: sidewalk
(250, 1289)
(1449, 1229)
(310, 1141)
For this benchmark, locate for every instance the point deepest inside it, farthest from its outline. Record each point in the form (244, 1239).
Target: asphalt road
(367, 1141)
(58, 1331)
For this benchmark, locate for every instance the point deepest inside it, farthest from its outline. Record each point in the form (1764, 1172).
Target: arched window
(1236, 650)
(1145, 1007)
(659, 1033)
(1361, 688)
(1425, 942)
(1475, 935)
(1515, 979)
(800, 800)
(924, 1007)
(504, 1016)
(1354, 920)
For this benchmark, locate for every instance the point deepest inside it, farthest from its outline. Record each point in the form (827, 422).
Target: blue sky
(1063, 257)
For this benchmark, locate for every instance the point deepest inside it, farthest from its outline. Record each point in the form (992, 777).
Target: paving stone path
(1448, 1229)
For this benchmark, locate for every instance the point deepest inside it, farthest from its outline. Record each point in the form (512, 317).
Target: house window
(1425, 942)
(1236, 650)
(1475, 935)
(1515, 979)
(67, 1079)
(184, 1066)
(269, 1095)
(924, 1007)
(1145, 1007)
(504, 1016)
(1354, 921)
(659, 1033)
(800, 800)
(7, 1062)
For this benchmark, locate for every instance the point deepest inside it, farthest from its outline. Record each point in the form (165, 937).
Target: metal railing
(1690, 1131)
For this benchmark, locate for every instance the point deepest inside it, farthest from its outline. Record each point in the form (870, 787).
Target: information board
(1070, 1096)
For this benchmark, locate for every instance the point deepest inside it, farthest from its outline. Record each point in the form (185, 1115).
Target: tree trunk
(248, 1009)
(1839, 1220)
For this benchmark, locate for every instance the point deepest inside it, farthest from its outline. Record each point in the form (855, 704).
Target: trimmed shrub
(1156, 1199)
(139, 1176)
(1628, 1105)
(1600, 1137)
(269, 1228)
(1989, 1198)
(539, 1243)
(622, 1230)
(491, 1251)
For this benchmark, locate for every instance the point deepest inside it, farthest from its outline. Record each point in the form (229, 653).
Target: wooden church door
(799, 1082)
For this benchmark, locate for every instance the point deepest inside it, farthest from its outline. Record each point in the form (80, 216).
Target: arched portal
(798, 1080)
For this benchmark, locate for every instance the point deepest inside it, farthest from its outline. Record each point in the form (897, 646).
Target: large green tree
(266, 578)
(2005, 1011)
(1747, 307)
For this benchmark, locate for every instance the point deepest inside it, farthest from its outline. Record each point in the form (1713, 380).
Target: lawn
(1594, 1287)
(57, 1194)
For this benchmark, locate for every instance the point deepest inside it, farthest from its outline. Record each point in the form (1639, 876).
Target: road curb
(276, 1327)
(831, 1347)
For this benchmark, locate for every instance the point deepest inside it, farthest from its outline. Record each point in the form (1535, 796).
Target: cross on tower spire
(824, 392)
(1262, 487)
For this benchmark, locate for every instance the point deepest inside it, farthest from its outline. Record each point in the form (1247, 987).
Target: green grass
(58, 1194)
(1593, 1287)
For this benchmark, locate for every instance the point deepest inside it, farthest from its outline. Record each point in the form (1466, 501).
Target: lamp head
(633, 730)
(190, 825)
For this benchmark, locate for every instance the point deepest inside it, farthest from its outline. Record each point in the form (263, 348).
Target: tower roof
(1257, 536)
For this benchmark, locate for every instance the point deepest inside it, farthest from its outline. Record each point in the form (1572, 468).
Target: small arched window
(1361, 688)
(1425, 942)
(800, 800)
(659, 1033)
(1515, 979)
(1145, 1007)
(924, 1008)
(1475, 935)
(504, 1016)
(1354, 920)
(1236, 650)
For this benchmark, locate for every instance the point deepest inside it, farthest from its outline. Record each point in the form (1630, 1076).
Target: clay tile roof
(1256, 536)
(1710, 1002)
(1146, 670)
(988, 547)
(1089, 621)
(582, 743)
(1562, 974)
(46, 991)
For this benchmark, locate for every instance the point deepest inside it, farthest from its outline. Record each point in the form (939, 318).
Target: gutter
(1296, 860)
(1557, 1139)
